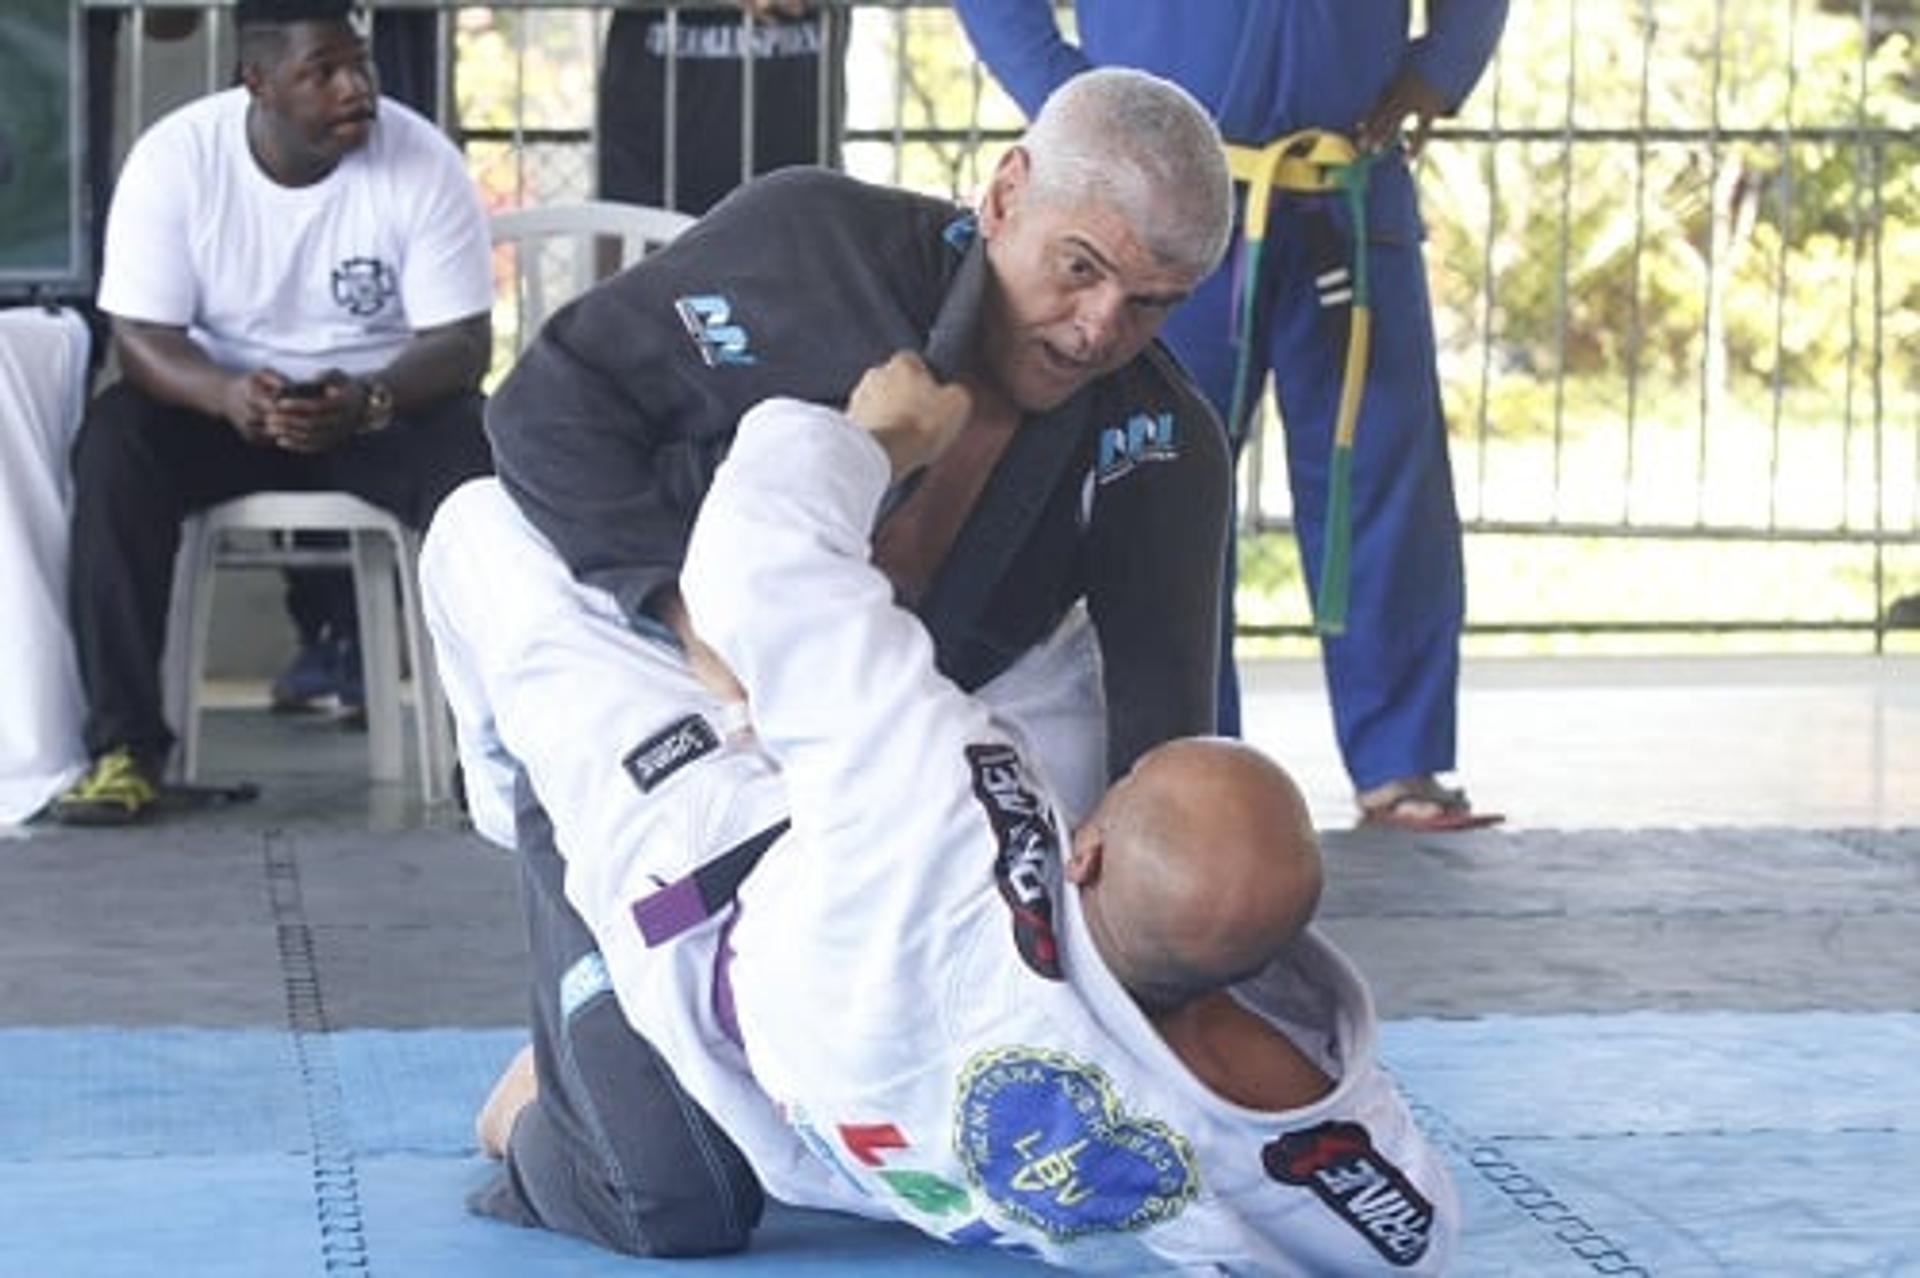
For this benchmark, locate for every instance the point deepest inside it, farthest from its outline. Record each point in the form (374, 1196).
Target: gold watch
(379, 412)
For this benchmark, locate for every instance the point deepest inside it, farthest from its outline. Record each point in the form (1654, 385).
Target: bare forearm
(439, 362)
(165, 363)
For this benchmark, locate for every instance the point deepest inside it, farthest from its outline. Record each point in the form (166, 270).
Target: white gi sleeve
(842, 689)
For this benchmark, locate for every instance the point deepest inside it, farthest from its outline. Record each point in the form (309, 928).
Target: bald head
(1196, 870)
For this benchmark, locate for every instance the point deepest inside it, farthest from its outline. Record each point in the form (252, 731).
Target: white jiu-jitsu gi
(904, 1015)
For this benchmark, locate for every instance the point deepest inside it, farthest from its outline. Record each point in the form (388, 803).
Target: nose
(354, 82)
(1098, 321)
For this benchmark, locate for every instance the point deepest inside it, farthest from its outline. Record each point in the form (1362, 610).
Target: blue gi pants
(1393, 676)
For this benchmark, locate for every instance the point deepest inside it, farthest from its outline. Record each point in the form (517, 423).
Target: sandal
(1422, 803)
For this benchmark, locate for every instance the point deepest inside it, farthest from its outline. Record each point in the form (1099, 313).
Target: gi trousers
(1393, 676)
(612, 1150)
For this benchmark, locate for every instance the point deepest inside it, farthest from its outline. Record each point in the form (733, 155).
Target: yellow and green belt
(1312, 161)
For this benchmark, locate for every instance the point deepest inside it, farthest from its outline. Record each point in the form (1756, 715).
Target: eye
(1078, 268)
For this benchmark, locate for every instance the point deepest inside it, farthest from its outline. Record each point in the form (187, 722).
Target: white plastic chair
(383, 549)
(384, 555)
(573, 233)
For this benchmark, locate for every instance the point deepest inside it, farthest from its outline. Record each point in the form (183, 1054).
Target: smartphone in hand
(302, 390)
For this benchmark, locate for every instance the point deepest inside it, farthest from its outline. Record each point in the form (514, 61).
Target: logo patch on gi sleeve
(1146, 437)
(666, 752)
(720, 339)
(1027, 866)
(1043, 1136)
(1338, 1162)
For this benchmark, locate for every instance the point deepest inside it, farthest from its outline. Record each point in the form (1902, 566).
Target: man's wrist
(377, 411)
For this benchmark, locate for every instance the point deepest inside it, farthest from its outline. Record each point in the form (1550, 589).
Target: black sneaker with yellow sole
(116, 790)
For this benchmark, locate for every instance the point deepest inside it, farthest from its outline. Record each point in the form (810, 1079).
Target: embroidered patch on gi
(980, 1234)
(927, 1193)
(1027, 867)
(1144, 438)
(959, 233)
(669, 750)
(362, 285)
(865, 1140)
(585, 981)
(1338, 1162)
(1044, 1137)
(802, 1125)
(710, 323)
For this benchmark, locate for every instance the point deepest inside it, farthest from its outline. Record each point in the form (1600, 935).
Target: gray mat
(185, 923)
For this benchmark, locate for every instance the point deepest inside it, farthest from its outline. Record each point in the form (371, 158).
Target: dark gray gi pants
(613, 1150)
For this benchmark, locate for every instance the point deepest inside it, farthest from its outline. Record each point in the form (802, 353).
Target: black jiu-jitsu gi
(610, 426)
(607, 434)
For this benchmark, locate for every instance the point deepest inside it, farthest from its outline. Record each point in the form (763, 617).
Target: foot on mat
(117, 790)
(1422, 803)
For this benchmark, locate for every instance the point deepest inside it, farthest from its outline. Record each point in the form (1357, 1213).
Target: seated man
(927, 1003)
(300, 284)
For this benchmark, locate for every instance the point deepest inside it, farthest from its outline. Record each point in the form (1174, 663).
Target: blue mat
(1712, 1144)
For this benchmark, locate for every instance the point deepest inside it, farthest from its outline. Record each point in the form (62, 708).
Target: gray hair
(1143, 146)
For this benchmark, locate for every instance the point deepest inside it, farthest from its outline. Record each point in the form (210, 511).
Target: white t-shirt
(339, 273)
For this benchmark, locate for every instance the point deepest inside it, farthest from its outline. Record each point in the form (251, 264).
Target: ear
(1084, 861)
(1004, 192)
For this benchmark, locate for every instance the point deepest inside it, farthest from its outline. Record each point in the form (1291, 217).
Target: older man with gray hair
(1079, 512)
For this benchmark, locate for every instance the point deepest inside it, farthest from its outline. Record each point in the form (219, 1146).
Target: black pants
(631, 126)
(140, 467)
(612, 1150)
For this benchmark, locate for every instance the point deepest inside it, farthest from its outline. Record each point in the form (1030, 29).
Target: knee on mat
(683, 1227)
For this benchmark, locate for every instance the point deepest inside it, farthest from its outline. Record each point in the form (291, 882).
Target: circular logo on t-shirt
(362, 285)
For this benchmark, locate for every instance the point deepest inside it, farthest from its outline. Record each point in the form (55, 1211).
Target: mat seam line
(336, 1186)
(1529, 1194)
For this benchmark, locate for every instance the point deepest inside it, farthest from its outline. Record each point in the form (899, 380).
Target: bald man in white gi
(929, 1001)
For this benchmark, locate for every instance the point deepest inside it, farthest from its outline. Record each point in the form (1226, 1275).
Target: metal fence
(1674, 251)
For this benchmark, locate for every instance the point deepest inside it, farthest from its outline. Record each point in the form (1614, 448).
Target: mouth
(1061, 364)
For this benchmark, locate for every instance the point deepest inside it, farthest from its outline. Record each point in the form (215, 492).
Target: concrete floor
(1581, 743)
(1733, 834)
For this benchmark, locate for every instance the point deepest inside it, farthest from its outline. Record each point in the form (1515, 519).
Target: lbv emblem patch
(1044, 1136)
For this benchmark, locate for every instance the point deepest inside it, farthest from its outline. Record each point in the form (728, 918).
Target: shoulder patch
(960, 233)
(1145, 437)
(717, 335)
(667, 751)
(1045, 1138)
(1027, 865)
(1337, 1161)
